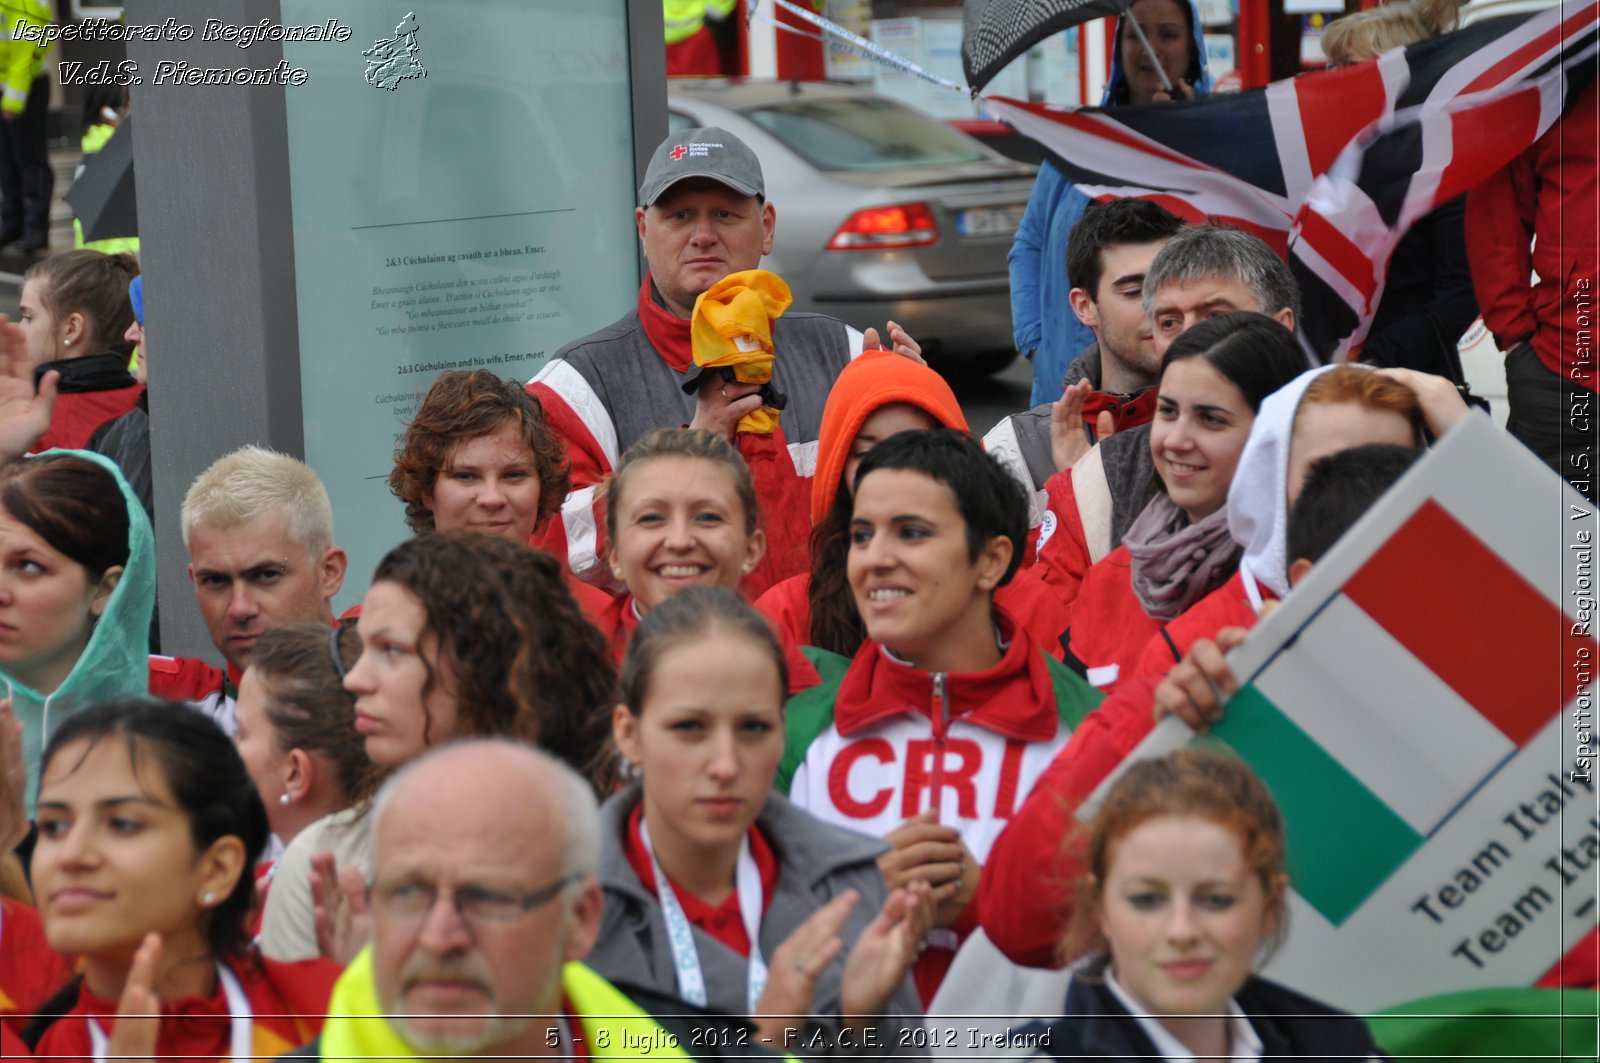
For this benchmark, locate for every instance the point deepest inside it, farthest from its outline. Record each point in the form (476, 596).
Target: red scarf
(288, 1000)
(668, 333)
(723, 921)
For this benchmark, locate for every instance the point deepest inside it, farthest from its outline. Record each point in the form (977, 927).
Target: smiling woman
(944, 676)
(681, 512)
(1183, 892)
(1214, 378)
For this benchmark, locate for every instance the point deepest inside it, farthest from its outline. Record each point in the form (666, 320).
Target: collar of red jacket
(1127, 411)
(1015, 698)
(668, 334)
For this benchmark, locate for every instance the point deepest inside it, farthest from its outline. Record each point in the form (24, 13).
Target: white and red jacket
(603, 392)
(209, 689)
(884, 741)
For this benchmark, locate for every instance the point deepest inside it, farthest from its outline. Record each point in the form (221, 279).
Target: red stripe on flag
(1481, 137)
(1550, 41)
(1473, 621)
(1340, 252)
(1337, 106)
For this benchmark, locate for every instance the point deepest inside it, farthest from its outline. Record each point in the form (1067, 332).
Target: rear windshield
(864, 133)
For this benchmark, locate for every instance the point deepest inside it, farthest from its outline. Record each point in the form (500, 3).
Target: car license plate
(989, 221)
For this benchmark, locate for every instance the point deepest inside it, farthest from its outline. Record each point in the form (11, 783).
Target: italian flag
(1389, 699)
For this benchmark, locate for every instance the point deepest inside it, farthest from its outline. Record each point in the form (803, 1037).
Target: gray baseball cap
(709, 152)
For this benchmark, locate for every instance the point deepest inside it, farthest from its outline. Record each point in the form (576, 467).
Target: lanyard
(685, 960)
(239, 1024)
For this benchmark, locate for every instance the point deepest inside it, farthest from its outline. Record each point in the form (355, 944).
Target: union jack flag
(1332, 167)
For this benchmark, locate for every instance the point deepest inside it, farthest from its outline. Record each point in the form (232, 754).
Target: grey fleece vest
(641, 392)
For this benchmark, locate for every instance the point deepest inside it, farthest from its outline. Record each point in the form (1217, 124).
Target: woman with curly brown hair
(479, 455)
(462, 636)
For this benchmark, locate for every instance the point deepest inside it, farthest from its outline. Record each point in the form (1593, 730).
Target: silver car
(884, 212)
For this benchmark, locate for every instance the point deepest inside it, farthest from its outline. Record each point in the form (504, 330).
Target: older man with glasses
(483, 900)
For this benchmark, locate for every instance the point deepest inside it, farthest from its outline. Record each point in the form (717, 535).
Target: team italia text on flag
(1332, 167)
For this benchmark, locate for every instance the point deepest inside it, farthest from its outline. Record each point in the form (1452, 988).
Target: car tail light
(903, 225)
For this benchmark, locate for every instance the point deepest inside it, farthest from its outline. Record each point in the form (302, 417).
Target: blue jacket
(1043, 324)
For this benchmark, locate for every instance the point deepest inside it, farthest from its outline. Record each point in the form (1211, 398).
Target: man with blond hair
(259, 530)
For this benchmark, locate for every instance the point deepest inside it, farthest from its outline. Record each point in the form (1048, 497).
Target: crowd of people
(720, 709)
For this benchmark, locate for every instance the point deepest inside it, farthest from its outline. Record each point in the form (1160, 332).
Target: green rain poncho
(115, 663)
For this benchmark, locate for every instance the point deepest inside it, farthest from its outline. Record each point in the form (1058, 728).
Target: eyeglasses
(475, 904)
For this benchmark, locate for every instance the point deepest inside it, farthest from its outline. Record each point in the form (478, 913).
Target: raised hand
(339, 899)
(900, 342)
(1068, 444)
(138, 1011)
(720, 405)
(1198, 685)
(24, 415)
(795, 966)
(884, 953)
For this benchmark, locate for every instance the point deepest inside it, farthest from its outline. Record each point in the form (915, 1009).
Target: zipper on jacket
(941, 728)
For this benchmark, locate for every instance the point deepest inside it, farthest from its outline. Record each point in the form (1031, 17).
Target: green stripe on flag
(1343, 841)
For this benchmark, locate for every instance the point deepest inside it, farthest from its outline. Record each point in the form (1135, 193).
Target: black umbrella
(994, 32)
(103, 195)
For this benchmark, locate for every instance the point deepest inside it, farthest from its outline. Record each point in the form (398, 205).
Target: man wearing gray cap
(703, 214)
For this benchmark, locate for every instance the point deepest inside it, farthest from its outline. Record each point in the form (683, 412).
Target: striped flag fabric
(1455, 689)
(1490, 679)
(1331, 167)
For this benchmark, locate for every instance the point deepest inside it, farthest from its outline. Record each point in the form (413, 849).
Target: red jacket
(1028, 600)
(619, 620)
(1227, 606)
(92, 390)
(1024, 898)
(581, 418)
(885, 744)
(289, 1002)
(1062, 558)
(1548, 192)
(1109, 625)
(30, 973)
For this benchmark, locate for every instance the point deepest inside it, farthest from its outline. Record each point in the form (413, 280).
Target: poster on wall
(462, 189)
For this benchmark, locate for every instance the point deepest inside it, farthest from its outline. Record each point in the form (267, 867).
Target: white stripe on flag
(1283, 111)
(1377, 710)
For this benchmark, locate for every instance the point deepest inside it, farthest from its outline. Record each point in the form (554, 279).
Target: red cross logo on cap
(678, 152)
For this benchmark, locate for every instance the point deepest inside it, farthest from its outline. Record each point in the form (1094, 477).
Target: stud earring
(284, 799)
(209, 899)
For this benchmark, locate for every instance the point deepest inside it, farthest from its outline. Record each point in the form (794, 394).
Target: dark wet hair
(1338, 490)
(74, 504)
(990, 500)
(1104, 225)
(208, 781)
(688, 616)
(1252, 351)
